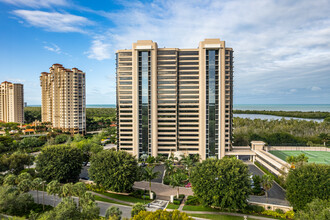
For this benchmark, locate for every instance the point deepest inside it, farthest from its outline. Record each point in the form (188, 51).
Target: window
(166, 52)
(185, 53)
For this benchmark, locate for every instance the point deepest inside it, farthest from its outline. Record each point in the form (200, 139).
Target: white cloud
(315, 88)
(36, 3)
(276, 43)
(53, 48)
(54, 21)
(99, 50)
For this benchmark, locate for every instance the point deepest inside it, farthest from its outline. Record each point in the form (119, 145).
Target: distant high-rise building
(64, 99)
(171, 99)
(11, 102)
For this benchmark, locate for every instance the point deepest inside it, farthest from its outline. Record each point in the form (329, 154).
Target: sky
(281, 48)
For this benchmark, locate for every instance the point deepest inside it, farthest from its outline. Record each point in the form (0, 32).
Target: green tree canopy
(137, 207)
(66, 209)
(307, 182)
(16, 161)
(317, 209)
(113, 212)
(223, 183)
(114, 170)
(13, 202)
(59, 162)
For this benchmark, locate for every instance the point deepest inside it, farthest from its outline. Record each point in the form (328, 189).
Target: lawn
(219, 217)
(172, 206)
(322, 157)
(199, 208)
(125, 198)
(99, 198)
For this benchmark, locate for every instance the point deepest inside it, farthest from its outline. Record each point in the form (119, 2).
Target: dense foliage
(307, 182)
(13, 202)
(114, 170)
(137, 207)
(15, 162)
(279, 132)
(164, 215)
(59, 162)
(222, 183)
(317, 209)
(295, 114)
(96, 118)
(32, 114)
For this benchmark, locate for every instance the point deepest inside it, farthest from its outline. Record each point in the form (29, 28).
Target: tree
(114, 170)
(79, 190)
(13, 202)
(176, 179)
(149, 175)
(66, 190)
(53, 188)
(24, 176)
(161, 214)
(324, 137)
(31, 142)
(59, 162)
(16, 161)
(297, 160)
(169, 166)
(188, 162)
(307, 182)
(89, 208)
(36, 183)
(114, 212)
(10, 180)
(66, 209)
(317, 209)
(137, 207)
(223, 183)
(267, 183)
(62, 138)
(24, 185)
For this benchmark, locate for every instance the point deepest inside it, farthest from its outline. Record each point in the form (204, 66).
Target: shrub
(192, 200)
(255, 208)
(176, 202)
(137, 207)
(280, 211)
(161, 214)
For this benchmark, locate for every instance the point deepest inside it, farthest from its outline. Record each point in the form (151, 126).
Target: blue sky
(282, 48)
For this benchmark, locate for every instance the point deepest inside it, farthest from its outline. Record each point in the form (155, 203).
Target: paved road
(49, 200)
(276, 194)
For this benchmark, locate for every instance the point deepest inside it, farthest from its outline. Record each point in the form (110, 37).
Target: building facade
(11, 102)
(171, 99)
(63, 99)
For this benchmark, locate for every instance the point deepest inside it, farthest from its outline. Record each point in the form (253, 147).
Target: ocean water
(270, 107)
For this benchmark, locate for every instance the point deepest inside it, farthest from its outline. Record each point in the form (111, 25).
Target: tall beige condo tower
(63, 98)
(11, 102)
(171, 99)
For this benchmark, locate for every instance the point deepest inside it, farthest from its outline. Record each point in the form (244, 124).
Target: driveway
(275, 194)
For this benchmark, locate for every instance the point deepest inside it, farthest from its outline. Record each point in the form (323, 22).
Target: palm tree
(53, 188)
(188, 163)
(79, 190)
(36, 185)
(324, 137)
(67, 190)
(267, 183)
(169, 166)
(149, 175)
(176, 179)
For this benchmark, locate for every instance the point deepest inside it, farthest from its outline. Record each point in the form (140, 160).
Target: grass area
(219, 217)
(172, 206)
(125, 198)
(199, 208)
(321, 157)
(99, 198)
